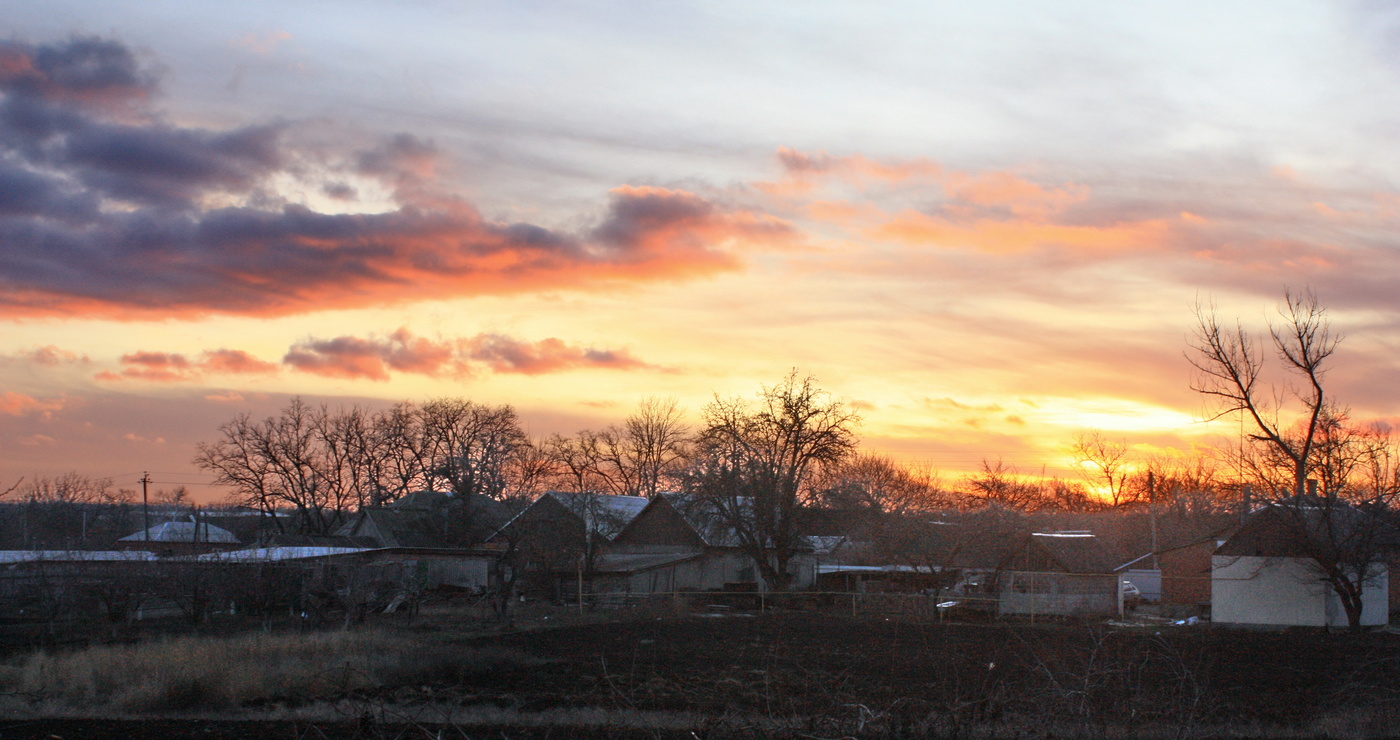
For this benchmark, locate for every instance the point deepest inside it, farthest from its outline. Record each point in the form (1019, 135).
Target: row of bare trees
(321, 462)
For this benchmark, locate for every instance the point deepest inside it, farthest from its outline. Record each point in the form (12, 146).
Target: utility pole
(146, 503)
(1152, 514)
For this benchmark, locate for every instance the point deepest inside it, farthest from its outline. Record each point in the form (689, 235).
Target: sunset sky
(985, 225)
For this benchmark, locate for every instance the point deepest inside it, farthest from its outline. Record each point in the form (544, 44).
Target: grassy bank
(214, 673)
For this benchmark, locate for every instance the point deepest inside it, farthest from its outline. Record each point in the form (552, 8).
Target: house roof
(278, 553)
(1059, 552)
(183, 532)
(84, 556)
(428, 519)
(614, 562)
(607, 514)
(1299, 529)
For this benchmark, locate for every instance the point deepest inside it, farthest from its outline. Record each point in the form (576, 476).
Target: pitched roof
(183, 532)
(82, 556)
(1060, 552)
(705, 519)
(429, 519)
(1299, 529)
(613, 562)
(264, 554)
(714, 529)
(604, 515)
(607, 514)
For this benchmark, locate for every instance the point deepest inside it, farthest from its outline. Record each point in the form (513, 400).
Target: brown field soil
(811, 674)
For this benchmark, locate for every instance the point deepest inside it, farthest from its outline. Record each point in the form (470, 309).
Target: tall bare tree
(1296, 429)
(755, 463)
(655, 442)
(1230, 364)
(640, 457)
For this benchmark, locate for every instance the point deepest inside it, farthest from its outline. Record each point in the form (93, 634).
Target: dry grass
(206, 673)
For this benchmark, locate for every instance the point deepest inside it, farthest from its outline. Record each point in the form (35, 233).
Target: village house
(556, 544)
(1270, 572)
(681, 543)
(1058, 574)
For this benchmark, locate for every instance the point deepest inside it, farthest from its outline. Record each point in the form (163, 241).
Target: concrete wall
(1286, 592)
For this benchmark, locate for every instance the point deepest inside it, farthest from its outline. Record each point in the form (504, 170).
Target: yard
(737, 674)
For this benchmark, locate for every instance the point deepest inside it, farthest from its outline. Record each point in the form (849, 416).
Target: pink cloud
(166, 367)
(235, 362)
(376, 358)
(50, 356)
(19, 404)
(508, 355)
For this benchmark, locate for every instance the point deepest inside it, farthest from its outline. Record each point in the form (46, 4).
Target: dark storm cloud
(105, 209)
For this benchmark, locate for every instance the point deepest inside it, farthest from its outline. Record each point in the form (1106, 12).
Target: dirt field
(819, 675)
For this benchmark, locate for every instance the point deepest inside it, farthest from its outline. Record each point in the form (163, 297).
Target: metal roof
(84, 556)
(183, 532)
(279, 553)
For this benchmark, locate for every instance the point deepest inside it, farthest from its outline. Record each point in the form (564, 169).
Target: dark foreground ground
(813, 675)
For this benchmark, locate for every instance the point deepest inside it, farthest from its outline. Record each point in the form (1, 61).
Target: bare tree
(1230, 367)
(878, 483)
(755, 463)
(1001, 484)
(641, 457)
(656, 444)
(70, 488)
(1344, 542)
(1187, 484)
(1103, 463)
(288, 460)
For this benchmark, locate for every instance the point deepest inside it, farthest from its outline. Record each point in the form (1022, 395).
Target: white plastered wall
(1286, 592)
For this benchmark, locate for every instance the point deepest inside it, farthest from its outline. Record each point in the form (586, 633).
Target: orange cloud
(377, 358)
(19, 404)
(1018, 195)
(802, 171)
(261, 43)
(164, 367)
(235, 362)
(50, 356)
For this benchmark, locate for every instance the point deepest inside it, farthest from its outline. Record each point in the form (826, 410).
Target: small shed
(1058, 574)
